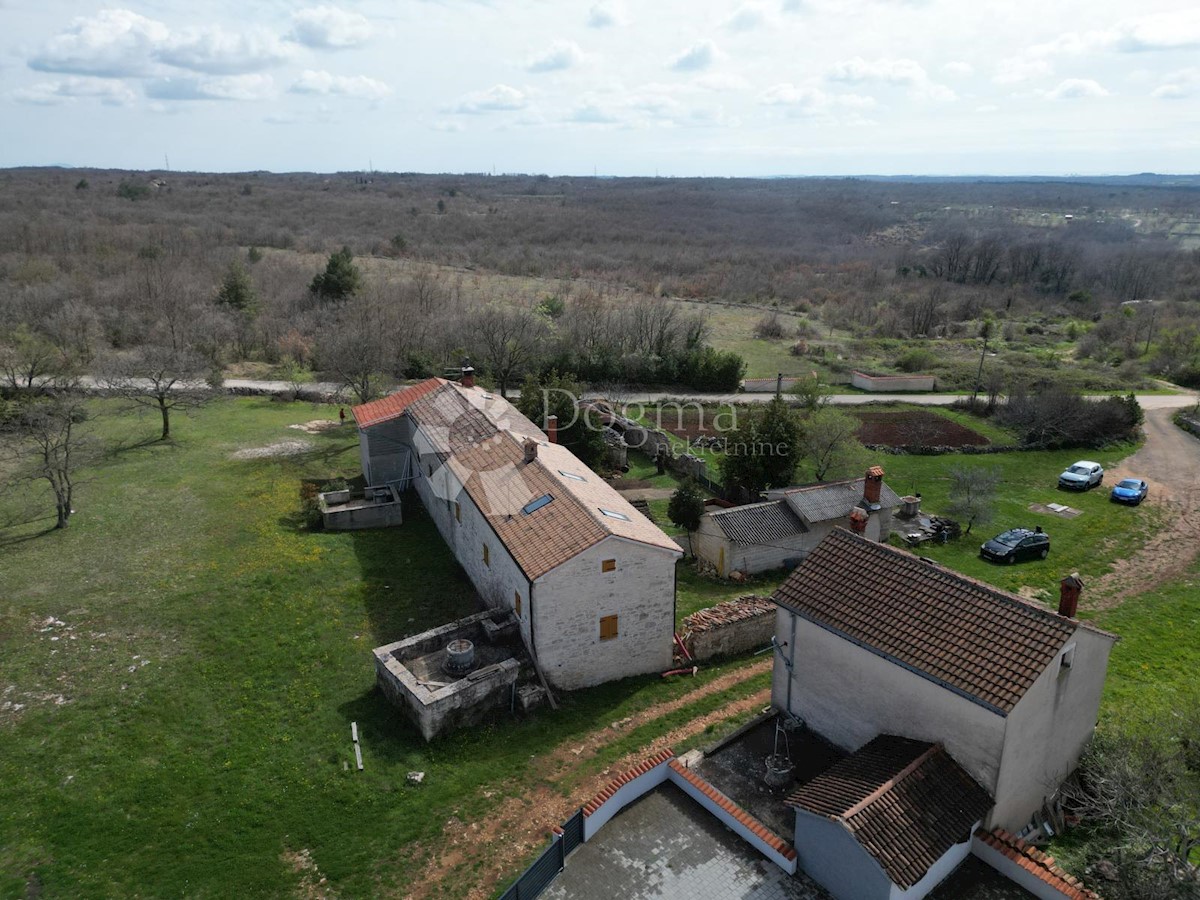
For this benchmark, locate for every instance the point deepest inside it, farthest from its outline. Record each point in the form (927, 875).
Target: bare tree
(161, 378)
(28, 360)
(360, 346)
(47, 441)
(973, 494)
(506, 340)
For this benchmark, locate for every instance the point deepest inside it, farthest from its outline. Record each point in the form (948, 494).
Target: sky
(611, 87)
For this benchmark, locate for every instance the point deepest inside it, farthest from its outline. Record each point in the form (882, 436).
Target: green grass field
(188, 723)
(180, 667)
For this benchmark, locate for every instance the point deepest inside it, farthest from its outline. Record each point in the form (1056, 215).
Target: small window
(457, 511)
(609, 565)
(1066, 659)
(535, 505)
(608, 628)
(571, 475)
(487, 556)
(614, 515)
(517, 602)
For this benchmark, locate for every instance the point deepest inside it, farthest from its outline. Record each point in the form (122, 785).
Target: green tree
(237, 289)
(552, 394)
(341, 278)
(686, 508)
(973, 494)
(762, 451)
(828, 443)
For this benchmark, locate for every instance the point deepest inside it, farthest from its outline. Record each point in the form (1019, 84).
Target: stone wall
(890, 383)
(730, 628)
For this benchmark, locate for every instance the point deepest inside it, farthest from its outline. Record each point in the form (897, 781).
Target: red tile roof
(1036, 863)
(976, 640)
(755, 827)
(393, 405)
(906, 802)
(620, 781)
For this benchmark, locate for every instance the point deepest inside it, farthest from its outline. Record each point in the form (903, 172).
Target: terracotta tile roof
(759, 523)
(1036, 863)
(906, 802)
(620, 781)
(833, 500)
(480, 438)
(757, 828)
(726, 613)
(393, 405)
(973, 639)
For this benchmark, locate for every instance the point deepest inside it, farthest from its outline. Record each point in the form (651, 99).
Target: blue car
(1129, 490)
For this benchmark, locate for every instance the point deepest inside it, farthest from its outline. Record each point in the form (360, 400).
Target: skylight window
(534, 505)
(571, 475)
(614, 515)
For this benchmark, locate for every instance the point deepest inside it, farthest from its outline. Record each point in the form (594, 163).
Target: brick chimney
(552, 429)
(872, 485)
(530, 450)
(1069, 590)
(468, 374)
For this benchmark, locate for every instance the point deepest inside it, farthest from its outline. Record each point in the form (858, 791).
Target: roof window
(571, 475)
(534, 505)
(614, 515)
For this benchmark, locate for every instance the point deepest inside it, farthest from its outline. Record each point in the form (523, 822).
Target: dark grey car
(1016, 544)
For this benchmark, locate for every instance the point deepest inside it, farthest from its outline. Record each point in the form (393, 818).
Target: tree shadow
(12, 540)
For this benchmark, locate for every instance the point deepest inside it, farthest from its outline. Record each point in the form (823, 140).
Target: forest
(368, 278)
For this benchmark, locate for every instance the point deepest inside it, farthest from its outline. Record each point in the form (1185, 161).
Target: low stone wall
(1188, 423)
(730, 628)
(890, 383)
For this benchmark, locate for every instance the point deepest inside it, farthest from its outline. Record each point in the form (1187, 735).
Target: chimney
(1069, 590)
(858, 520)
(468, 374)
(530, 450)
(552, 429)
(872, 486)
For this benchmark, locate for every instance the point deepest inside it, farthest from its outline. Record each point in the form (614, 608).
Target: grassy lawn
(187, 725)
(1088, 543)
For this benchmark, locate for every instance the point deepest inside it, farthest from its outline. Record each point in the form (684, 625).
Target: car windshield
(1079, 470)
(1132, 483)
(1011, 538)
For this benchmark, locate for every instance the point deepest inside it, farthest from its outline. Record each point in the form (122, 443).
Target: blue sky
(620, 88)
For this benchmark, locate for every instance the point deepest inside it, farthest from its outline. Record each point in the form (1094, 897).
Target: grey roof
(822, 502)
(759, 523)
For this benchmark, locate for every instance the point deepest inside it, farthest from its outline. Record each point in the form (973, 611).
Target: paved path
(666, 847)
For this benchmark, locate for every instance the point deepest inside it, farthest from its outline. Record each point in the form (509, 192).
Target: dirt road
(1170, 462)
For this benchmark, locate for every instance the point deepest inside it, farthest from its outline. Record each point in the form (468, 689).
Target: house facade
(873, 640)
(589, 579)
(782, 531)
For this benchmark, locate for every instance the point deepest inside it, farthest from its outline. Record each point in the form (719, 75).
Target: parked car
(1129, 490)
(1016, 544)
(1081, 476)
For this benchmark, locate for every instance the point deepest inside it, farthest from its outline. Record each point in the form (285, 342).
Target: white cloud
(957, 67)
(720, 82)
(590, 112)
(696, 58)
(558, 56)
(1017, 69)
(330, 28)
(1179, 85)
(320, 82)
(809, 100)
(498, 98)
(51, 93)
(1178, 30)
(746, 17)
(112, 43)
(215, 51)
(607, 14)
(1075, 89)
(448, 125)
(223, 87)
(906, 73)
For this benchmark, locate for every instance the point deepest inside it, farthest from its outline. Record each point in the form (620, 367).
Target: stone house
(960, 705)
(780, 532)
(590, 579)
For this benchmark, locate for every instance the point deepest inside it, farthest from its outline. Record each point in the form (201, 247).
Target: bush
(769, 328)
(1058, 418)
(916, 360)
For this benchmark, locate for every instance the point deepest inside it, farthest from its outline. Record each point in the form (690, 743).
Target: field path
(476, 855)
(1169, 461)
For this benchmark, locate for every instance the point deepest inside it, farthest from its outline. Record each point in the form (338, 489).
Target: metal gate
(572, 833)
(546, 867)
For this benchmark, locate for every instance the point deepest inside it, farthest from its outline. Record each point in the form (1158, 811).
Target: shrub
(769, 327)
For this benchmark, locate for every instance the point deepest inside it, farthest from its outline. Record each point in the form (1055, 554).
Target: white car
(1081, 476)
